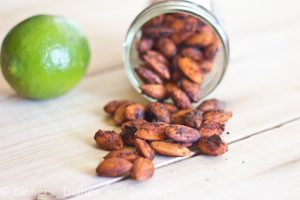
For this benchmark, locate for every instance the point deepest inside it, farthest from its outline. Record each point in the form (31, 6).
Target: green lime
(44, 56)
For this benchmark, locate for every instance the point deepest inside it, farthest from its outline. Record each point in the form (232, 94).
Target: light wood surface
(255, 168)
(48, 145)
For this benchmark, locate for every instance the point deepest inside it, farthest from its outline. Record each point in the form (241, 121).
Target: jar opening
(176, 36)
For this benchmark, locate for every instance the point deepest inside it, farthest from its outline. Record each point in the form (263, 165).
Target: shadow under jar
(176, 51)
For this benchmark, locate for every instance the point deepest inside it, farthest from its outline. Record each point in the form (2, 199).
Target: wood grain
(53, 139)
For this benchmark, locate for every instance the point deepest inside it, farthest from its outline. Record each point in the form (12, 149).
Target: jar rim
(174, 6)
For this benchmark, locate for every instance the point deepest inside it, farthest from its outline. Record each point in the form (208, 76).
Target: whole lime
(44, 56)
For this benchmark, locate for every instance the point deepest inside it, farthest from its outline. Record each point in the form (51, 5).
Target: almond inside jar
(176, 54)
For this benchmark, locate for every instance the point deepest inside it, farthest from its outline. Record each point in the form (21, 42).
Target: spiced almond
(177, 117)
(143, 148)
(142, 169)
(191, 89)
(114, 167)
(181, 133)
(120, 113)
(206, 66)
(128, 131)
(166, 47)
(191, 69)
(180, 99)
(209, 128)
(170, 149)
(157, 112)
(212, 145)
(159, 67)
(155, 91)
(201, 39)
(157, 32)
(211, 50)
(193, 53)
(218, 116)
(108, 140)
(211, 105)
(144, 44)
(182, 29)
(193, 119)
(148, 76)
(170, 107)
(152, 131)
(112, 106)
(122, 153)
(135, 111)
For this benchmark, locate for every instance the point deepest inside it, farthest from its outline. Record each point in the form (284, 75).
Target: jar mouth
(176, 6)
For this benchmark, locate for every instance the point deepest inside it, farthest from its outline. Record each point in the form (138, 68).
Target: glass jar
(220, 62)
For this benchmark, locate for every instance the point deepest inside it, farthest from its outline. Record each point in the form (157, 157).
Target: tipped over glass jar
(177, 51)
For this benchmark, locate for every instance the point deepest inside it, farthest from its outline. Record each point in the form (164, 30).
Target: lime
(44, 56)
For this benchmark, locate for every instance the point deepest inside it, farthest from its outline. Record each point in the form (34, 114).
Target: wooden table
(47, 146)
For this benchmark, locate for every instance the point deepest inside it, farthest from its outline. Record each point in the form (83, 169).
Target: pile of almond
(158, 128)
(177, 50)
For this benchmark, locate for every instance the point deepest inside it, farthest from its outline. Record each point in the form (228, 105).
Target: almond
(171, 87)
(191, 89)
(212, 145)
(170, 107)
(157, 56)
(155, 64)
(152, 131)
(191, 69)
(193, 53)
(206, 66)
(169, 19)
(155, 21)
(142, 169)
(176, 73)
(211, 105)
(211, 50)
(180, 99)
(209, 128)
(193, 119)
(112, 106)
(135, 111)
(201, 39)
(148, 76)
(128, 131)
(144, 44)
(114, 167)
(185, 144)
(217, 116)
(120, 113)
(157, 31)
(157, 112)
(170, 149)
(180, 133)
(108, 140)
(144, 149)
(177, 117)
(155, 91)
(183, 29)
(122, 153)
(166, 47)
